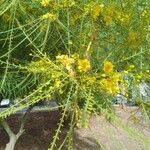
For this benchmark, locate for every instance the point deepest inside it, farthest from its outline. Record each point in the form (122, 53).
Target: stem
(141, 60)
(68, 26)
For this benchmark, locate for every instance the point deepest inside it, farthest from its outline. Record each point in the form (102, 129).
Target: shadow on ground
(85, 143)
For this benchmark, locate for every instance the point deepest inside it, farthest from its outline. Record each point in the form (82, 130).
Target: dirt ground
(100, 135)
(39, 131)
(104, 135)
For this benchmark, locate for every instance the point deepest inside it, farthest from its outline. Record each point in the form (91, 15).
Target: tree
(75, 51)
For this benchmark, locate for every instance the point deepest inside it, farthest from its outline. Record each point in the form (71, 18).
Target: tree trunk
(11, 144)
(12, 136)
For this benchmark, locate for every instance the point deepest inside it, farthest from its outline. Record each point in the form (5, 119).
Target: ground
(101, 134)
(39, 131)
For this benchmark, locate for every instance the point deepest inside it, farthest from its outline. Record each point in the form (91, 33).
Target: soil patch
(101, 134)
(39, 131)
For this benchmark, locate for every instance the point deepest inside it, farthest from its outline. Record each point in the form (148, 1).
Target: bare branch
(7, 128)
(23, 121)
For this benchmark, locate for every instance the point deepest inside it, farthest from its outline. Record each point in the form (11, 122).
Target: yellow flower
(57, 83)
(124, 18)
(50, 16)
(110, 10)
(144, 13)
(131, 66)
(108, 67)
(96, 10)
(66, 4)
(75, 17)
(84, 65)
(38, 66)
(65, 60)
(45, 3)
(108, 20)
(116, 77)
(109, 85)
(125, 71)
(103, 75)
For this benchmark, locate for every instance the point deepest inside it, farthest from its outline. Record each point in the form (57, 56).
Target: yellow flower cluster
(124, 18)
(38, 66)
(50, 16)
(108, 20)
(58, 5)
(93, 9)
(67, 62)
(112, 14)
(111, 79)
(109, 15)
(96, 10)
(84, 65)
(109, 86)
(108, 67)
(57, 83)
(75, 17)
(110, 83)
(45, 3)
(144, 13)
(111, 10)
(66, 3)
(88, 80)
